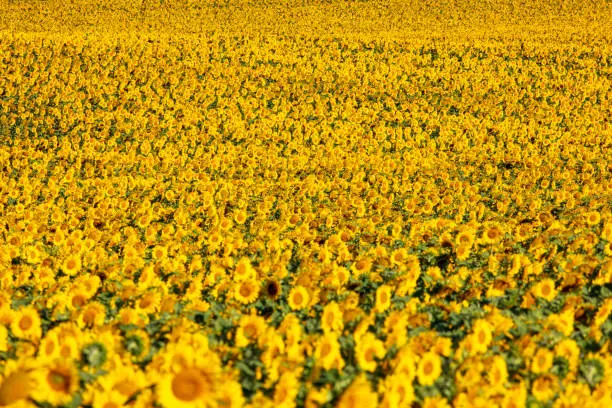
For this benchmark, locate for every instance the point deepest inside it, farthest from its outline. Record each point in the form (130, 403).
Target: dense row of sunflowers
(294, 220)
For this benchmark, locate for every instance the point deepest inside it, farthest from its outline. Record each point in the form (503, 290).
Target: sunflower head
(298, 298)
(187, 388)
(429, 368)
(16, 384)
(246, 291)
(58, 381)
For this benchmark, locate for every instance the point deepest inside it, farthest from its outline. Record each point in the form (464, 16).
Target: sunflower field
(305, 203)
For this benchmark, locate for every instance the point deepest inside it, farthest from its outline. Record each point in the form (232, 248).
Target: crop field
(305, 203)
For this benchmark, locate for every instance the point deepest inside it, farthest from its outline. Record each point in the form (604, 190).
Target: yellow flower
(362, 265)
(606, 231)
(109, 399)
(72, 265)
(429, 368)
(246, 291)
(286, 391)
(92, 315)
(398, 257)
(545, 289)
(244, 270)
(542, 361)
(57, 382)
(272, 289)
(498, 373)
(543, 387)
(466, 237)
(327, 353)
(482, 336)
(230, 395)
(3, 338)
(26, 324)
(358, 395)
(491, 235)
(383, 298)
(399, 389)
(189, 387)
(298, 298)
(125, 378)
(17, 382)
(250, 328)
(435, 402)
(240, 217)
(332, 319)
(593, 218)
(462, 252)
(368, 349)
(159, 253)
(568, 349)
(406, 364)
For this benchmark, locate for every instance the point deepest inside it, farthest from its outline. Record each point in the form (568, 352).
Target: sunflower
(225, 224)
(250, 328)
(230, 395)
(545, 289)
(332, 319)
(108, 399)
(522, 232)
(159, 252)
(542, 361)
(399, 389)
(398, 257)
(149, 302)
(405, 363)
(240, 217)
(189, 387)
(358, 394)
(92, 315)
(368, 349)
(57, 382)
(17, 382)
(137, 344)
(429, 368)
(286, 390)
(272, 289)
(26, 324)
(383, 298)
(491, 235)
(465, 237)
(482, 336)
(341, 275)
(3, 338)
(569, 350)
(298, 298)
(246, 291)
(543, 387)
(125, 378)
(68, 348)
(327, 353)
(606, 231)
(515, 397)
(435, 402)
(593, 218)
(244, 270)
(361, 266)
(72, 265)
(462, 252)
(498, 373)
